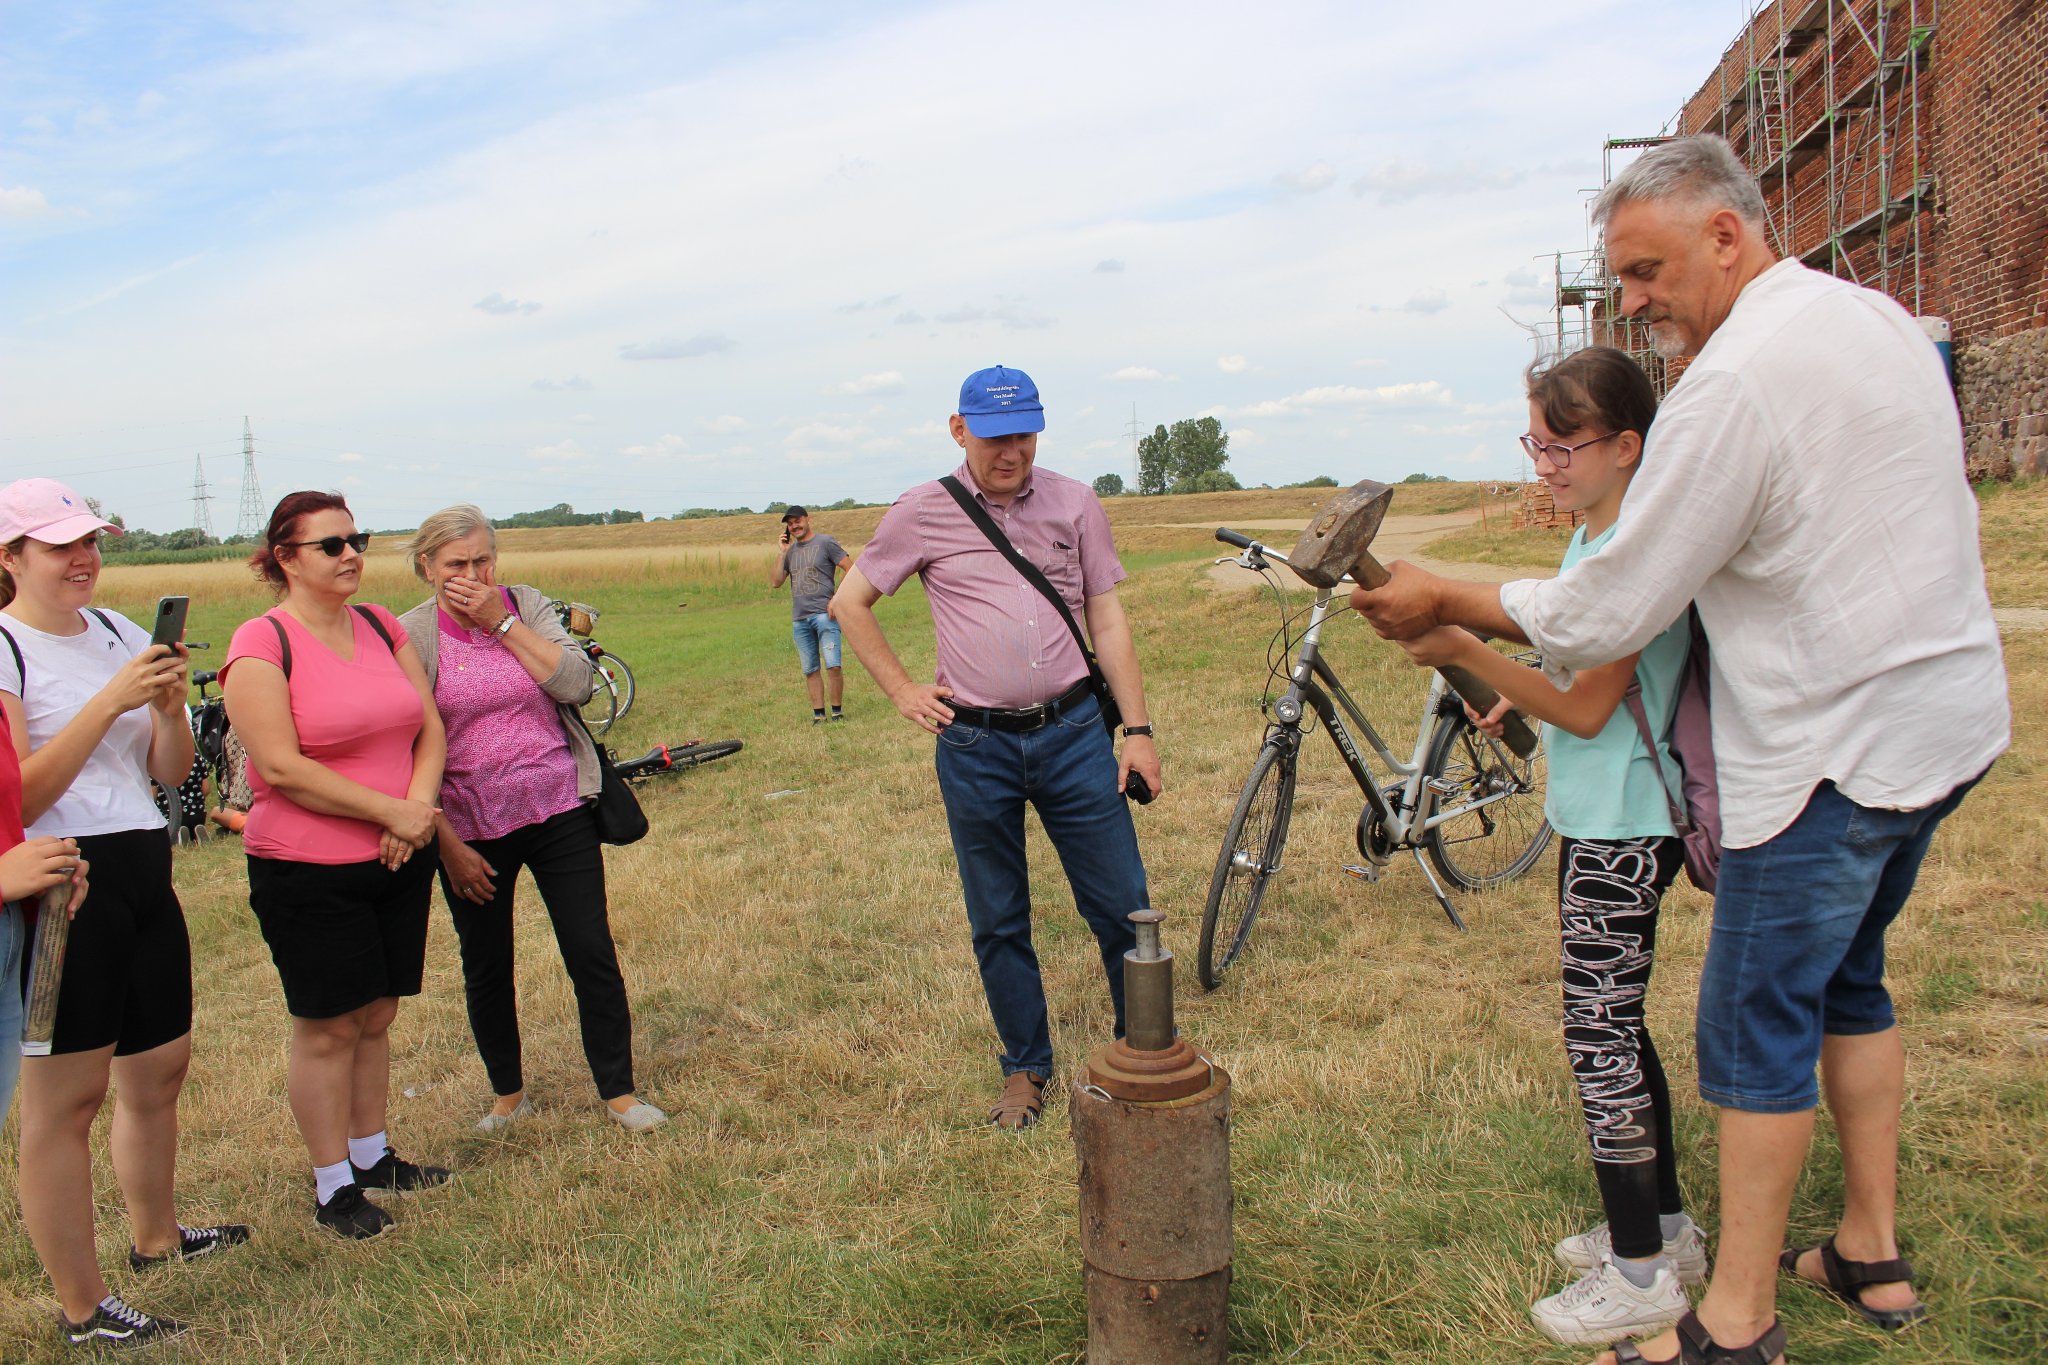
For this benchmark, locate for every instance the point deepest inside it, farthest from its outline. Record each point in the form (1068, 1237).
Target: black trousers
(567, 863)
(1609, 892)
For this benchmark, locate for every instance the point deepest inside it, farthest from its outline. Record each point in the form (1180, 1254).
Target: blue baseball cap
(1001, 402)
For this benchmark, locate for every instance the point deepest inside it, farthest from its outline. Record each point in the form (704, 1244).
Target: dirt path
(2020, 618)
(1398, 538)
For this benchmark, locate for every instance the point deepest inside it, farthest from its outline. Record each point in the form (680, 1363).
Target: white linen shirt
(1803, 483)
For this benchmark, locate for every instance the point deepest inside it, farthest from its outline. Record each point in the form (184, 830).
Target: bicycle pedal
(1445, 786)
(1365, 872)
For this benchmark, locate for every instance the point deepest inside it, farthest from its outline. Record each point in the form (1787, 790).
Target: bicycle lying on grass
(614, 694)
(663, 758)
(1466, 800)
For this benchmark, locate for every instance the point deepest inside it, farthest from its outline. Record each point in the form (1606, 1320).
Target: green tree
(1209, 481)
(1197, 447)
(619, 516)
(1109, 486)
(1155, 462)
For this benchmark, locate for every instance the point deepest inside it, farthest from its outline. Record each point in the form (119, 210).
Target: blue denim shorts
(815, 636)
(1797, 949)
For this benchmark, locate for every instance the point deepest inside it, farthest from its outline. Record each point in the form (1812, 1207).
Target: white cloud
(888, 381)
(1109, 266)
(20, 201)
(561, 453)
(1316, 177)
(669, 348)
(724, 423)
(497, 303)
(1397, 182)
(1426, 393)
(928, 429)
(823, 434)
(669, 447)
(575, 381)
(1232, 364)
(349, 457)
(1143, 374)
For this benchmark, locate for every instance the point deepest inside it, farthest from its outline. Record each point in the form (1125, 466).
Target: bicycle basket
(579, 618)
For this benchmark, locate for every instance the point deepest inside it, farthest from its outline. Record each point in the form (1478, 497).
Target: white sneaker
(1687, 1252)
(639, 1118)
(1604, 1307)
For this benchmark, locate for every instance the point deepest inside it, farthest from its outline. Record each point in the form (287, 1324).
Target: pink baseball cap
(47, 511)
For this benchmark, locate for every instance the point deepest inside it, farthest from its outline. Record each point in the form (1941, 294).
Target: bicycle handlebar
(1230, 537)
(204, 677)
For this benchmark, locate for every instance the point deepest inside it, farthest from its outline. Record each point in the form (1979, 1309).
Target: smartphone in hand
(170, 620)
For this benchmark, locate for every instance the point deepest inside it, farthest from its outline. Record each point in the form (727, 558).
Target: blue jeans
(1797, 949)
(815, 636)
(13, 948)
(1067, 772)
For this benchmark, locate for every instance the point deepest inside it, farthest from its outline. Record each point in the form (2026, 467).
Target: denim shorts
(815, 636)
(1797, 949)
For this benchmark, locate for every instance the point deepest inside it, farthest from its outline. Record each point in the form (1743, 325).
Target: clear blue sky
(658, 255)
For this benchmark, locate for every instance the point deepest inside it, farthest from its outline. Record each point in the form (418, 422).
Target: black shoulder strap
(20, 668)
(375, 625)
(107, 621)
(284, 643)
(1017, 561)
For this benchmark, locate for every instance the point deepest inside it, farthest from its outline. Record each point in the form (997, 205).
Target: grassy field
(1406, 1143)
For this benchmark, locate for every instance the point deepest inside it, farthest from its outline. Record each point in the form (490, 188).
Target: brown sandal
(1021, 1102)
(1696, 1347)
(1847, 1279)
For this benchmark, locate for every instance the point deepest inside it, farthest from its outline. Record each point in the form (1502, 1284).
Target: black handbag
(1112, 717)
(620, 820)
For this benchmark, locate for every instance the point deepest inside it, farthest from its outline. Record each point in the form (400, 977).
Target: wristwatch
(503, 627)
(1130, 730)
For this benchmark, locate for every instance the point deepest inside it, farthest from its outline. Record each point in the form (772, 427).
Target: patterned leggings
(1608, 893)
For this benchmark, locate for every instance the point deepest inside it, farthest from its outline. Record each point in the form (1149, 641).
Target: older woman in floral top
(521, 778)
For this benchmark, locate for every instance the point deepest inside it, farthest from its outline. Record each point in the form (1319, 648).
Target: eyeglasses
(331, 545)
(1560, 455)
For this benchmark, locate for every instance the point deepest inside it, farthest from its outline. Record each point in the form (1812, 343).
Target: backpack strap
(1633, 699)
(1018, 562)
(20, 667)
(376, 625)
(108, 622)
(284, 643)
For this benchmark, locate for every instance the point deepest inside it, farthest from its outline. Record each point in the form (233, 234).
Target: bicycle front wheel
(1501, 831)
(613, 694)
(1250, 856)
(703, 751)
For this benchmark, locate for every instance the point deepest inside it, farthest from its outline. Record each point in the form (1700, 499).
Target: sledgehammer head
(1340, 538)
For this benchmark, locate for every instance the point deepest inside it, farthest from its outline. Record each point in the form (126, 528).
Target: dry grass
(1405, 1143)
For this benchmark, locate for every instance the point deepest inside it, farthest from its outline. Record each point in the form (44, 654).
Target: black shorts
(343, 935)
(127, 961)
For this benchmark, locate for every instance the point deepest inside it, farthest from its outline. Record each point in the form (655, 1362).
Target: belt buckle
(1041, 716)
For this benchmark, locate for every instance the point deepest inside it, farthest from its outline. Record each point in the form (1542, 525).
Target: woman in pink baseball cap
(96, 711)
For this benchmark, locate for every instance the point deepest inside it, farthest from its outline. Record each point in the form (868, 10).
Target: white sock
(328, 1179)
(1642, 1274)
(366, 1152)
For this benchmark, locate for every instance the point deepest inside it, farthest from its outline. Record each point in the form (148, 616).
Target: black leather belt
(1024, 718)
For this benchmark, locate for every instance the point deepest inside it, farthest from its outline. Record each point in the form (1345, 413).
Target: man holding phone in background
(1014, 707)
(808, 564)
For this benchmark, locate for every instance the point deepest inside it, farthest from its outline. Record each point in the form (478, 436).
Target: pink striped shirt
(1000, 643)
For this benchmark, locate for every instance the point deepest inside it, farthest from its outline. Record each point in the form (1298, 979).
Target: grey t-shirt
(810, 566)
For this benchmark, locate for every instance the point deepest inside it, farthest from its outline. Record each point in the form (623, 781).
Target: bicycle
(663, 758)
(213, 760)
(613, 696)
(1466, 800)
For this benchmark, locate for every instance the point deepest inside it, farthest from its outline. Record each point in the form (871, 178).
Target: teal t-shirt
(1608, 787)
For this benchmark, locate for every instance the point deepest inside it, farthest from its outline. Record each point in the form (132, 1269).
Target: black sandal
(1846, 1279)
(1695, 1347)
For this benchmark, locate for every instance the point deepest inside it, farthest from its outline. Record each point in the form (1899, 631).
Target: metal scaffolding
(1823, 100)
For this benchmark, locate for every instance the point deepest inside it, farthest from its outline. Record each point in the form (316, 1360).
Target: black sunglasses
(331, 545)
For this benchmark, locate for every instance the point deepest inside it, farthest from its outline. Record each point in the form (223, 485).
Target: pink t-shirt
(509, 764)
(1000, 643)
(358, 716)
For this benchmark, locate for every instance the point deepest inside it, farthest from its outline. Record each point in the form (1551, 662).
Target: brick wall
(1980, 258)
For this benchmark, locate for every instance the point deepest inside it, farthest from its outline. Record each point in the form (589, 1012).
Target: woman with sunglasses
(95, 711)
(345, 752)
(1606, 795)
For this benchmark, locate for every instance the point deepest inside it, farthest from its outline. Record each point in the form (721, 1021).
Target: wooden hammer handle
(1516, 734)
(46, 971)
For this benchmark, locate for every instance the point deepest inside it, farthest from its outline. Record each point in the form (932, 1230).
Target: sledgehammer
(1337, 543)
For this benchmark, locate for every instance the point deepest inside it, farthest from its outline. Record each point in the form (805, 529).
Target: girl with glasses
(1619, 853)
(95, 711)
(345, 752)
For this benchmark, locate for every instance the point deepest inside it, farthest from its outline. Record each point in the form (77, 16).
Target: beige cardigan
(571, 684)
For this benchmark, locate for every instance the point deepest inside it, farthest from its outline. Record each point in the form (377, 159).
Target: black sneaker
(118, 1328)
(351, 1215)
(393, 1172)
(192, 1244)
